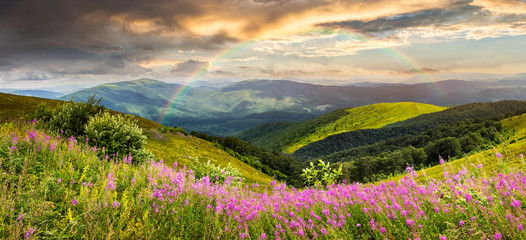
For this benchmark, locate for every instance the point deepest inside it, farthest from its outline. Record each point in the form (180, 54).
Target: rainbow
(202, 71)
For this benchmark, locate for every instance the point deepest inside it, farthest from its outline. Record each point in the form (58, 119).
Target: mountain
(33, 93)
(289, 137)
(173, 104)
(348, 140)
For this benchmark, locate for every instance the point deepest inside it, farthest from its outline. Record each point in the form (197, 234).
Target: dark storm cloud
(189, 66)
(458, 12)
(79, 23)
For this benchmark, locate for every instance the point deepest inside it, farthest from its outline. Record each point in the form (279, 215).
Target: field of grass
(370, 116)
(55, 187)
(169, 147)
(16, 107)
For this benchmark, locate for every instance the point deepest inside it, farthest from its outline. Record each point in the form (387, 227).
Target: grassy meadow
(56, 187)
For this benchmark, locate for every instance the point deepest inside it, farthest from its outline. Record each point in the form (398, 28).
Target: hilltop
(289, 136)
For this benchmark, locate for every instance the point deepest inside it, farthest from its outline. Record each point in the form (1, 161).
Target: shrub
(118, 135)
(71, 118)
(323, 177)
(42, 112)
(216, 173)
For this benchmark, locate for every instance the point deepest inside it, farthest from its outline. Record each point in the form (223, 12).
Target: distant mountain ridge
(33, 93)
(147, 98)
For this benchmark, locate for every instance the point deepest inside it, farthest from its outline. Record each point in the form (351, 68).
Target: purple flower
(29, 232)
(519, 226)
(498, 155)
(409, 222)
(74, 202)
(358, 225)
(461, 223)
(382, 229)
(515, 203)
(468, 197)
(441, 161)
(497, 236)
(59, 180)
(263, 236)
(273, 183)
(115, 204)
(443, 238)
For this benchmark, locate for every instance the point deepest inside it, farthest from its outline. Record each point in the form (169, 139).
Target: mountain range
(230, 109)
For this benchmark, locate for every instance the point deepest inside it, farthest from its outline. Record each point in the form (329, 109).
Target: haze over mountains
(226, 110)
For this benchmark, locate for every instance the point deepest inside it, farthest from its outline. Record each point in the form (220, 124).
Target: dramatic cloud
(90, 39)
(457, 13)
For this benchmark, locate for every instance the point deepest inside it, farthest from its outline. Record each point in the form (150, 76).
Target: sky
(46, 43)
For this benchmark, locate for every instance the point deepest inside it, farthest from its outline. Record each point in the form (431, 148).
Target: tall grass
(56, 187)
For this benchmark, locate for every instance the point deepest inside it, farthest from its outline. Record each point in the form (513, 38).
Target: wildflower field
(54, 186)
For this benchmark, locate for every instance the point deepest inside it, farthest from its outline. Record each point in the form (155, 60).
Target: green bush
(42, 112)
(216, 173)
(118, 135)
(320, 178)
(71, 118)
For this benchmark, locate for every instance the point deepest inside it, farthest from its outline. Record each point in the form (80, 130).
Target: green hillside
(170, 147)
(370, 116)
(289, 137)
(346, 141)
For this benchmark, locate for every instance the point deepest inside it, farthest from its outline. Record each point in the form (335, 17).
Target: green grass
(16, 107)
(188, 150)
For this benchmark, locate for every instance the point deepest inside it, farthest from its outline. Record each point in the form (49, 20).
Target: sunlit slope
(187, 150)
(486, 162)
(290, 136)
(370, 116)
(16, 107)
(170, 147)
